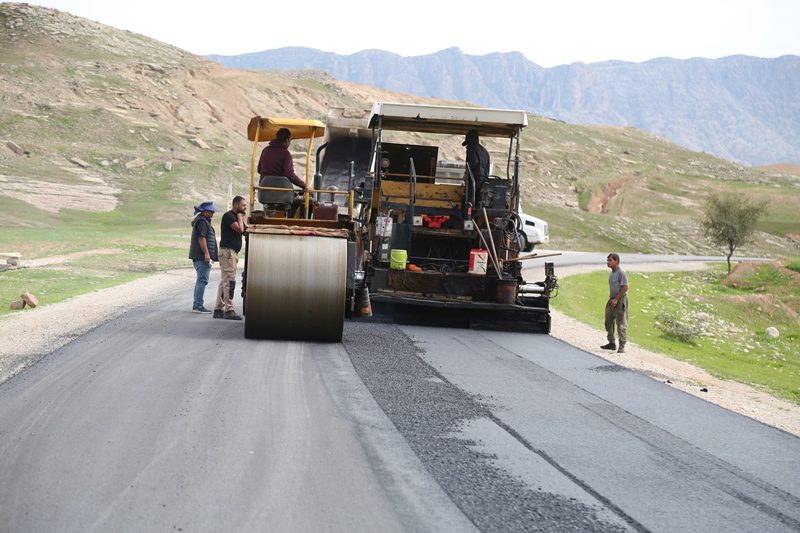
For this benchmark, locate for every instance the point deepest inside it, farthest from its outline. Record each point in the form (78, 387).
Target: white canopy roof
(448, 119)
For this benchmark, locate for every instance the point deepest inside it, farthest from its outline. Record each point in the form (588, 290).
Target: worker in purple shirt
(277, 161)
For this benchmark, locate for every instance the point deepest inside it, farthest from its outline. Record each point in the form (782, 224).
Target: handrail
(352, 197)
(326, 191)
(253, 169)
(402, 175)
(307, 196)
(412, 199)
(473, 192)
(350, 194)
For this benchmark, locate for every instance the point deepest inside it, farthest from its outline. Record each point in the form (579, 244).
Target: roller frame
(296, 285)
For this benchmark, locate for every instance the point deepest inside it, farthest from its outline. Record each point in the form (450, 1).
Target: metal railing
(308, 192)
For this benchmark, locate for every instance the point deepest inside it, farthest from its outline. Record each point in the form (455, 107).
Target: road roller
(295, 276)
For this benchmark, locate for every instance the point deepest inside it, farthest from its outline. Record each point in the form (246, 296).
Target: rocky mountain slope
(104, 132)
(740, 108)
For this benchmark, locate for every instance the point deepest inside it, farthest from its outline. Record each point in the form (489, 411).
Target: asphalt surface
(164, 420)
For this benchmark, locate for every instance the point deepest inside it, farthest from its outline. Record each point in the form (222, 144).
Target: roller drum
(296, 287)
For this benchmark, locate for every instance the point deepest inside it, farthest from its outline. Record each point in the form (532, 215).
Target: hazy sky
(548, 32)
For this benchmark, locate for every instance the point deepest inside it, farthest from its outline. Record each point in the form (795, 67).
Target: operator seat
(276, 199)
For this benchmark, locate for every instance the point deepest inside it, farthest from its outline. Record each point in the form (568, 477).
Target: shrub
(682, 330)
(584, 196)
(730, 220)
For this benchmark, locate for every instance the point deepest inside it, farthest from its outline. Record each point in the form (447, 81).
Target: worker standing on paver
(478, 163)
(617, 306)
(232, 228)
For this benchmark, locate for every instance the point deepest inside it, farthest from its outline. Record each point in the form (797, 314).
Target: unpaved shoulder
(731, 395)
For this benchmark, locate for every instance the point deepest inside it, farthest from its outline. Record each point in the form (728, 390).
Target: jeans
(203, 270)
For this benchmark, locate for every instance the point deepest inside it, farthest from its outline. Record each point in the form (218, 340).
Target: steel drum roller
(296, 286)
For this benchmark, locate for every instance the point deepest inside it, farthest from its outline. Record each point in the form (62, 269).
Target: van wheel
(525, 246)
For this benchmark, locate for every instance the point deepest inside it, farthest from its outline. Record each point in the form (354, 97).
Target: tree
(730, 220)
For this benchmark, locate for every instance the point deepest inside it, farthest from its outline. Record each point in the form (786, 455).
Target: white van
(535, 231)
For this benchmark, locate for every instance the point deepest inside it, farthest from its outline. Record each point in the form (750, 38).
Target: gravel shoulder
(28, 336)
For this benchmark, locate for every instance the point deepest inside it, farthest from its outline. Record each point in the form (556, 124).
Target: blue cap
(205, 206)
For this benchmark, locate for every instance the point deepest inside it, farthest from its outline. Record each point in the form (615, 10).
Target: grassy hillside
(108, 138)
(714, 320)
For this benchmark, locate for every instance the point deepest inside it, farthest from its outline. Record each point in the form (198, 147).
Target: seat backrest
(276, 197)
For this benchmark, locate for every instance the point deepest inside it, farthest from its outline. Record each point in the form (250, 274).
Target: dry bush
(673, 326)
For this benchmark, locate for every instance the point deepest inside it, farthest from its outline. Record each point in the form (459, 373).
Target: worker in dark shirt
(277, 161)
(232, 228)
(478, 162)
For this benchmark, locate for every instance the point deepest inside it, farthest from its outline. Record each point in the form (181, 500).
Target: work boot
(217, 313)
(621, 348)
(231, 315)
(609, 346)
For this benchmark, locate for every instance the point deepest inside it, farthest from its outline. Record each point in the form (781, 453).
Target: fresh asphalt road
(163, 420)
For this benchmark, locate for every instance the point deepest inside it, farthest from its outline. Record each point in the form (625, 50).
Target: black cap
(472, 136)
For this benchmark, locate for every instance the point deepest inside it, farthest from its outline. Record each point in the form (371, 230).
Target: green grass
(53, 285)
(733, 346)
(583, 199)
(149, 229)
(571, 229)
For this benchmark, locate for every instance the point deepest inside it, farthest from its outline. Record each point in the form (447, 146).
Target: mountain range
(742, 108)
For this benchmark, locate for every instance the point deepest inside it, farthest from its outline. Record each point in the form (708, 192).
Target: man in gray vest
(202, 251)
(617, 306)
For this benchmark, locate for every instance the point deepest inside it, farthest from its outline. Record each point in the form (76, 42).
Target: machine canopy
(300, 128)
(448, 120)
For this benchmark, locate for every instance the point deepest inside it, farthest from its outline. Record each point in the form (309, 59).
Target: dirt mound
(599, 201)
(739, 274)
(736, 278)
(766, 305)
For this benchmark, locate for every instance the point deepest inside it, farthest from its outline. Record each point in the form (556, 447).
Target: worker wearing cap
(478, 162)
(202, 251)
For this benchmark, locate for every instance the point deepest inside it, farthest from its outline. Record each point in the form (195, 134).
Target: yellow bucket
(398, 259)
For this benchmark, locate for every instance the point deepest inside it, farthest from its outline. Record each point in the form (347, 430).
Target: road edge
(731, 395)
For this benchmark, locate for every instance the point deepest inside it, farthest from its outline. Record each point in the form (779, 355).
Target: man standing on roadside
(202, 251)
(617, 306)
(232, 228)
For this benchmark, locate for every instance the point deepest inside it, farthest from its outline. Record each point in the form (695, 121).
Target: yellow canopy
(300, 128)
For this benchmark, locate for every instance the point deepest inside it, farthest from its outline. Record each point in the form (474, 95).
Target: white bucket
(477, 261)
